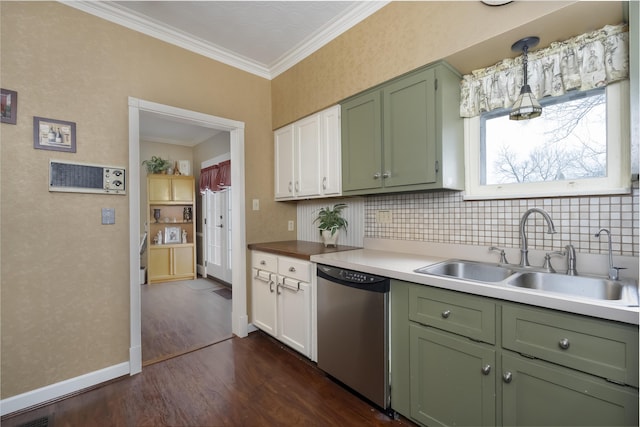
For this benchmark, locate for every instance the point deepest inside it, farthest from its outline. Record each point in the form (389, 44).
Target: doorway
(238, 236)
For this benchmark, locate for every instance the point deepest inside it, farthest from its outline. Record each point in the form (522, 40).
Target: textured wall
(403, 36)
(64, 276)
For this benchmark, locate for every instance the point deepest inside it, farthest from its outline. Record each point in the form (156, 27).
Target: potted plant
(330, 221)
(156, 164)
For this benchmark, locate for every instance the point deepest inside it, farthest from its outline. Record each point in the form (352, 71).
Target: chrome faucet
(571, 260)
(524, 249)
(613, 271)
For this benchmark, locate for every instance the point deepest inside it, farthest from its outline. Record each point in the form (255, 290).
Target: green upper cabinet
(404, 135)
(362, 142)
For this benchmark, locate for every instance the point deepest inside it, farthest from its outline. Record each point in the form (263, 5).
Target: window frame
(617, 181)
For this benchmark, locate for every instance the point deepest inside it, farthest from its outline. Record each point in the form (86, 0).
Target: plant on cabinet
(156, 164)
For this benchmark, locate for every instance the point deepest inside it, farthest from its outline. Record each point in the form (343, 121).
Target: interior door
(217, 234)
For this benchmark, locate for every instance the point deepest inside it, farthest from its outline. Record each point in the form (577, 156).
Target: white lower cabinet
(282, 296)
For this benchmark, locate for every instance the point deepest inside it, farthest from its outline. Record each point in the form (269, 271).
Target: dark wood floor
(253, 381)
(179, 317)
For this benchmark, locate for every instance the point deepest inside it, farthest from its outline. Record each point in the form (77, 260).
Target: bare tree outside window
(569, 141)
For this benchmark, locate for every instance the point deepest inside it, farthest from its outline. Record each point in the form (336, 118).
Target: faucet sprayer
(613, 271)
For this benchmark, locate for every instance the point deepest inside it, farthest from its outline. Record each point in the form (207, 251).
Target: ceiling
(262, 37)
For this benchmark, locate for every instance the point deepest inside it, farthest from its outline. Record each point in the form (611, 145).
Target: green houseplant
(330, 221)
(156, 164)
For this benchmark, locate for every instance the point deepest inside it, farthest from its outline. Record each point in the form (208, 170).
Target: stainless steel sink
(579, 286)
(468, 270)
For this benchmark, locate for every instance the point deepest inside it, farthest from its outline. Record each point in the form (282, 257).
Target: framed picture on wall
(52, 134)
(8, 106)
(172, 235)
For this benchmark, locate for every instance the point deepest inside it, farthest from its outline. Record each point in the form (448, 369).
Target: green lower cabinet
(453, 379)
(537, 393)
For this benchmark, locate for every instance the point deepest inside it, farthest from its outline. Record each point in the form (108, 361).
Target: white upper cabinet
(308, 157)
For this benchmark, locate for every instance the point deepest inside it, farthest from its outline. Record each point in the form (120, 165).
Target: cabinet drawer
(462, 314)
(294, 268)
(264, 261)
(599, 347)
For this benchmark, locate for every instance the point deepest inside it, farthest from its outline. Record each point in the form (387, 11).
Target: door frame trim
(240, 319)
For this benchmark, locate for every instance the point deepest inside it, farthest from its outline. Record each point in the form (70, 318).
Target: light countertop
(401, 266)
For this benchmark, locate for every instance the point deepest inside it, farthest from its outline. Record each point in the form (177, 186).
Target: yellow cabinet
(171, 262)
(171, 225)
(170, 188)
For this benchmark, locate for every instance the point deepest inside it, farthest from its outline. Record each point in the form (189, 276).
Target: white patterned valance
(583, 62)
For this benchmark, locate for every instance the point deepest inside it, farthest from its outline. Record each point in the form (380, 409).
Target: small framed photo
(172, 235)
(8, 106)
(51, 134)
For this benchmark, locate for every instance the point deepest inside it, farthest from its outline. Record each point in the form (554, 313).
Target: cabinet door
(362, 143)
(159, 267)
(283, 146)
(294, 315)
(452, 379)
(183, 261)
(307, 157)
(264, 301)
(543, 394)
(182, 189)
(331, 166)
(159, 188)
(410, 131)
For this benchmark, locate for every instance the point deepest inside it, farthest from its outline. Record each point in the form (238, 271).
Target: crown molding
(354, 15)
(143, 24)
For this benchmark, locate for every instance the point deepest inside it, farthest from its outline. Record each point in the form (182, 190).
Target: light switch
(291, 225)
(108, 216)
(256, 204)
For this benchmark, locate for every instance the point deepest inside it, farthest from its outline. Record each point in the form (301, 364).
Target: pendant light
(526, 106)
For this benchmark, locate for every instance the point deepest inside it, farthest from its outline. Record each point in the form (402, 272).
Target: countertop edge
(401, 266)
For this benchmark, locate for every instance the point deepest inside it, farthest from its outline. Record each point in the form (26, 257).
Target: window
(579, 146)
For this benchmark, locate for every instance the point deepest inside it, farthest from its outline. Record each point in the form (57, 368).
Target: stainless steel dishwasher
(353, 331)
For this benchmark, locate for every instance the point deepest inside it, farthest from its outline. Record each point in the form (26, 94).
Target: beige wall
(403, 36)
(64, 276)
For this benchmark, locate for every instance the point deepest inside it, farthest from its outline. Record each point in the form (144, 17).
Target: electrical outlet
(256, 204)
(384, 217)
(291, 225)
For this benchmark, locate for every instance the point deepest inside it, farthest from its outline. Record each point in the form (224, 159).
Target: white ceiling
(262, 37)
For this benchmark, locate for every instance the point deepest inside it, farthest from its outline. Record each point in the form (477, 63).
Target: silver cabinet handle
(263, 262)
(446, 314)
(386, 174)
(220, 226)
(271, 286)
(297, 186)
(324, 183)
(376, 175)
(486, 369)
(507, 377)
(564, 343)
(278, 288)
(292, 269)
(290, 187)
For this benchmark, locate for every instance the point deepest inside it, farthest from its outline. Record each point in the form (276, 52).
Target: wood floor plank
(253, 381)
(180, 317)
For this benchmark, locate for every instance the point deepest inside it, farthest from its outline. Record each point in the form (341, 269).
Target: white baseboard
(63, 388)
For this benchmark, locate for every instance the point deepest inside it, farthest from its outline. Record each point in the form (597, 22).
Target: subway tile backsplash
(444, 217)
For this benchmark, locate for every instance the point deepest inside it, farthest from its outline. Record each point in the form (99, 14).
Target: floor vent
(38, 422)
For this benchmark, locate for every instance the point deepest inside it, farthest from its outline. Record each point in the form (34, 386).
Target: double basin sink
(623, 292)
